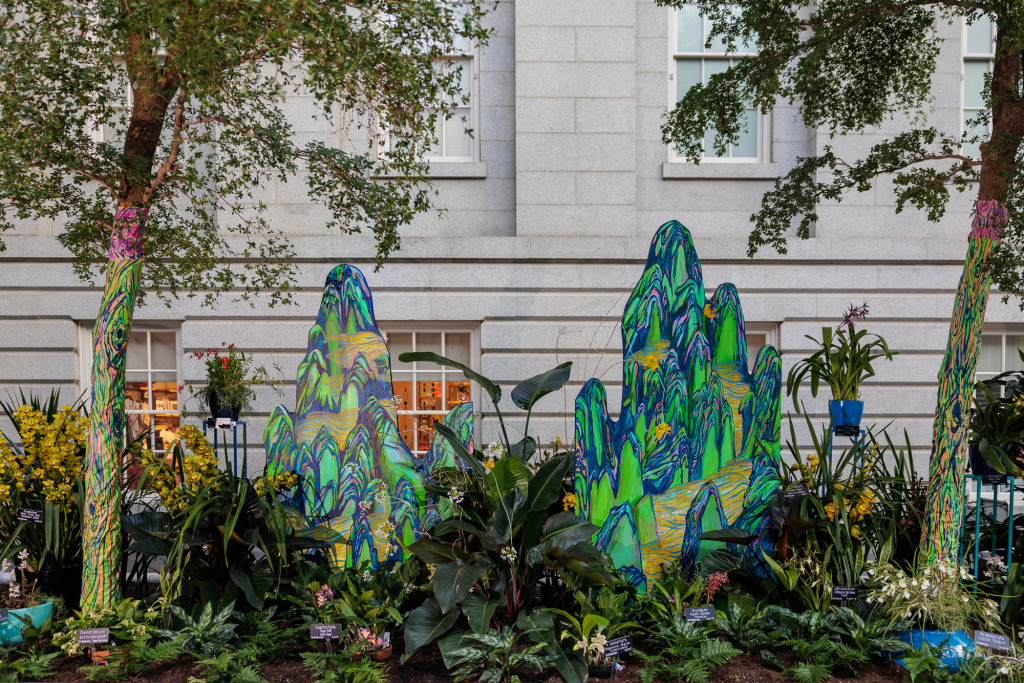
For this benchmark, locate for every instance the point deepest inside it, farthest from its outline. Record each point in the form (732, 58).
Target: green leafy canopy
(187, 108)
(849, 65)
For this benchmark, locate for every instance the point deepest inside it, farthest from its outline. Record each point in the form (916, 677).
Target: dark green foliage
(208, 127)
(204, 631)
(494, 658)
(688, 658)
(848, 66)
(342, 667)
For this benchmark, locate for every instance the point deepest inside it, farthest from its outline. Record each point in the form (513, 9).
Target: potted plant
(997, 425)
(593, 629)
(365, 613)
(20, 601)
(41, 492)
(843, 361)
(936, 598)
(230, 377)
(130, 624)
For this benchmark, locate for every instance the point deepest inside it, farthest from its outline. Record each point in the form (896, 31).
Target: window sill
(442, 170)
(678, 170)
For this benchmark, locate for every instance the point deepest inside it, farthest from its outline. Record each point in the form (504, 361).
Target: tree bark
(940, 535)
(101, 541)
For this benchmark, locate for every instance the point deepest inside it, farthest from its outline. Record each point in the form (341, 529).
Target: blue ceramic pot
(953, 646)
(10, 630)
(845, 413)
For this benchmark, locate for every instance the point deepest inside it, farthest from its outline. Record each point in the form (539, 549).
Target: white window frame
(763, 130)
(771, 338)
(975, 57)
(472, 57)
(1003, 332)
(389, 328)
(85, 331)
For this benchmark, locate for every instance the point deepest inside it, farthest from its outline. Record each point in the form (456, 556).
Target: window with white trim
(455, 134)
(979, 56)
(152, 378)
(694, 61)
(1000, 352)
(426, 391)
(758, 335)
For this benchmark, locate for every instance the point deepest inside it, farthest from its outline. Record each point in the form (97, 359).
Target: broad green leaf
(435, 553)
(739, 536)
(566, 528)
(424, 624)
(254, 585)
(540, 628)
(546, 484)
(523, 448)
(452, 582)
(492, 389)
(479, 610)
(460, 449)
(507, 474)
(529, 391)
(504, 519)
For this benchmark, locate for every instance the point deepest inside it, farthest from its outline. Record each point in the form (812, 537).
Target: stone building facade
(551, 205)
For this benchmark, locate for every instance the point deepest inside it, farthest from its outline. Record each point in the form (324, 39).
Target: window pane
(1013, 345)
(709, 145)
(714, 66)
(687, 75)
(990, 359)
(428, 391)
(456, 347)
(456, 134)
(165, 392)
(136, 391)
(164, 350)
(405, 429)
(974, 83)
(689, 31)
(428, 341)
(717, 43)
(401, 384)
(397, 345)
(137, 357)
(425, 431)
(456, 393)
(165, 428)
(970, 131)
(746, 145)
(979, 37)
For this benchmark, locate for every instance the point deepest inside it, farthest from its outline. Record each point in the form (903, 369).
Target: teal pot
(845, 413)
(953, 646)
(10, 630)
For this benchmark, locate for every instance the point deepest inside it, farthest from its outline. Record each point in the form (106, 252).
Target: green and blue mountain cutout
(356, 475)
(696, 445)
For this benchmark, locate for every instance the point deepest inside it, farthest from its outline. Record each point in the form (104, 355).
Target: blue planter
(845, 413)
(953, 646)
(10, 630)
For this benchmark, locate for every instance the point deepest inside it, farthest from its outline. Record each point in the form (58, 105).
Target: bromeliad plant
(41, 470)
(843, 360)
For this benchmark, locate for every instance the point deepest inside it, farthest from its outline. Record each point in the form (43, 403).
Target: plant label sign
(994, 480)
(702, 613)
(30, 515)
(3, 615)
(94, 636)
(224, 423)
(797, 491)
(992, 641)
(844, 430)
(617, 646)
(844, 593)
(325, 631)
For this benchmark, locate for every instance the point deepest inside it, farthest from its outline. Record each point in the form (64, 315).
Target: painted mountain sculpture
(356, 474)
(696, 445)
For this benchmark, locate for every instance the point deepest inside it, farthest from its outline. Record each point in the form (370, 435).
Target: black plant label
(844, 593)
(992, 641)
(25, 515)
(994, 480)
(846, 430)
(702, 613)
(94, 636)
(617, 646)
(800, 489)
(325, 631)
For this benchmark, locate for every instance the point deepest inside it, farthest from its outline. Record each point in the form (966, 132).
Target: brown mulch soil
(429, 668)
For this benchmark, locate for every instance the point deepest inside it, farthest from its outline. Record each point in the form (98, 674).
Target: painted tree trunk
(102, 520)
(940, 536)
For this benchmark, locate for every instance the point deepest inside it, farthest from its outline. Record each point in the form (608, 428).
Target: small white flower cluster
(936, 595)
(365, 505)
(455, 495)
(494, 451)
(23, 559)
(367, 575)
(509, 554)
(995, 567)
(382, 495)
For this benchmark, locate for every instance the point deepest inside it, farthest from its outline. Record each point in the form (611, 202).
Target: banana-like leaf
(738, 536)
(566, 529)
(479, 610)
(546, 484)
(507, 474)
(144, 528)
(505, 517)
(452, 582)
(523, 448)
(492, 389)
(529, 391)
(460, 449)
(425, 624)
(253, 585)
(436, 553)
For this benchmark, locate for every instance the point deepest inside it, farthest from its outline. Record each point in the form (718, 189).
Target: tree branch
(172, 156)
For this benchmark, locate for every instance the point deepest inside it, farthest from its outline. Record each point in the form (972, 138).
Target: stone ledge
(678, 170)
(441, 170)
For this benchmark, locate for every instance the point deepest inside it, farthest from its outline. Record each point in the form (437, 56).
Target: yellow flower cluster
(569, 502)
(857, 508)
(175, 481)
(50, 463)
(277, 482)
